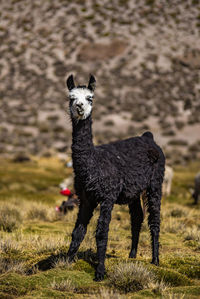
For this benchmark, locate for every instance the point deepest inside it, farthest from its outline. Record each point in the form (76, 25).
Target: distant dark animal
(196, 193)
(68, 205)
(114, 173)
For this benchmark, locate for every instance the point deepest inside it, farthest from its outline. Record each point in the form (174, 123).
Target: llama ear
(92, 83)
(70, 82)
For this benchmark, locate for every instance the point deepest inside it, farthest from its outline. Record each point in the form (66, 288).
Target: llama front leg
(84, 215)
(102, 237)
(136, 213)
(154, 201)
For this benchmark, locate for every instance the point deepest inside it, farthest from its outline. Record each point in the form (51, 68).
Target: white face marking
(81, 102)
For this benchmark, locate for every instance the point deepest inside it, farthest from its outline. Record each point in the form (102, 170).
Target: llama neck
(82, 136)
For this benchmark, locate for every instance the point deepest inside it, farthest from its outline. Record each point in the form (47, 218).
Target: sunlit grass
(34, 240)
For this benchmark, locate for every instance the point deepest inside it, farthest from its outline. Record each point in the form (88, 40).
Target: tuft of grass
(38, 212)
(8, 265)
(159, 287)
(173, 226)
(192, 234)
(10, 218)
(131, 277)
(62, 263)
(63, 285)
(48, 244)
(104, 293)
(34, 243)
(178, 212)
(8, 245)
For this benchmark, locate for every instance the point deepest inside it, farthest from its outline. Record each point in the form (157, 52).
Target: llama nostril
(79, 105)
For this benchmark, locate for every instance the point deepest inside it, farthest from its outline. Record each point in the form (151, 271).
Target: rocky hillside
(145, 56)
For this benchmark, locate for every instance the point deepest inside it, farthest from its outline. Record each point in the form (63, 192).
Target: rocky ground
(145, 56)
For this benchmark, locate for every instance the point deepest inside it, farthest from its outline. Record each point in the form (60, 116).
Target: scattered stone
(149, 68)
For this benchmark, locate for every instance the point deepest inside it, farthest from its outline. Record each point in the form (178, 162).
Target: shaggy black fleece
(115, 173)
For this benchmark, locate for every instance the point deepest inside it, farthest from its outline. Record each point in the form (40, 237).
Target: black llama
(114, 173)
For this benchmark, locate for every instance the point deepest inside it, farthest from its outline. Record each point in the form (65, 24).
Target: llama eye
(71, 98)
(90, 99)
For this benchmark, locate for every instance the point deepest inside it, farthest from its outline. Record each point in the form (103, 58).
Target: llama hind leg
(154, 201)
(84, 215)
(136, 213)
(102, 237)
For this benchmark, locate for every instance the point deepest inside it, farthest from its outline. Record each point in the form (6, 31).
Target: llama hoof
(99, 277)
(100, 271)
(155, 261)
(132, 254)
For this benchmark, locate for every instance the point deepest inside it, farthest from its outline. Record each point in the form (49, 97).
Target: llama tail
(152, 153)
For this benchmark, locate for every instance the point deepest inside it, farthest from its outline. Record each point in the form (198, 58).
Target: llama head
(81, 98)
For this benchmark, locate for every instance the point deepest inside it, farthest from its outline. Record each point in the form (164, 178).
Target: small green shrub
(171, 277)
(130, 277)
(187, 265)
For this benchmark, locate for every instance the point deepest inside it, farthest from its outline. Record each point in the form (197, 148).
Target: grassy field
(34, 240)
